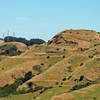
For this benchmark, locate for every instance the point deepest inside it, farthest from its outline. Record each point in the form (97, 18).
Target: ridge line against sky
(45, 18)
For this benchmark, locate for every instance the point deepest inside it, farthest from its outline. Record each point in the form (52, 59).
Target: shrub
(69, 69)
(30, 84)
(64, 79)
(42, 64)
(37, 68)
(81, 64)
(98, 59)
(48, 57)
(57, 49)
(81, 78)
(78, 33)
(94, 98)
(61, 83)
(57, 83)
(45, 88)
(28, 76)
(90, 56)
(77, 87)
(64, 49)
(98, 32)
(63, 56)
(51, 52)
(69, 77)
(9, 50)
(37, 88)
(96, 44)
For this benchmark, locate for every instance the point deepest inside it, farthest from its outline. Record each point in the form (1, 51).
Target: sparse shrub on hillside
(37, 88)
(57, 49)
(81, 64)
(69, 68)
(8, 89)
(28, 76)
(42, 64)
(37, 68)
(90, 56)
(64, 79)
(46, 88)
(30, 84)
(81, 78)
(9, 50)
(57, 83)
(98, 59)
(20, 80)
(78, 33)
(51, 51)
(94, 98)
(77, 87)
(63, 56)
(69, 77)
(48, 57)
(64, 49)
(38, 73)
(96, 44)
(99, 32)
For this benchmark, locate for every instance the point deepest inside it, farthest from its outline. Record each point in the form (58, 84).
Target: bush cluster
(23, 40)
(9, 50)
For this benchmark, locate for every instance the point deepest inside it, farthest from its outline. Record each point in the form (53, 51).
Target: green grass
(87, 94)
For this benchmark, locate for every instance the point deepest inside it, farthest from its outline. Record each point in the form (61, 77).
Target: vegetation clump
(63, 56)
(23, 40)
(57, 83)
(64, 79)
(81, 78)
(51, 51)
(9, 50)
(81, 64)
(48, 57)
(90, 56)
(37, 68)
(96, 44)
(77, 87)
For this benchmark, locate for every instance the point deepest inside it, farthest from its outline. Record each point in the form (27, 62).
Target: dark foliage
(28, 76)
(57, 83)
(96, 44)
(48, 57)
(63, 56)
(9, 50)
(81, 64)
(37, 68)
(23, 40)
(81, 78)
(90, 56)
(30, 84)
(77, 87)
(64, 79)
(12, 88)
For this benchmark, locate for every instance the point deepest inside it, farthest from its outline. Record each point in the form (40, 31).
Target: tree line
(23, 40)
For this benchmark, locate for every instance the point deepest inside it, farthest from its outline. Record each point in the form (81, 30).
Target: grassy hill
(65, 68)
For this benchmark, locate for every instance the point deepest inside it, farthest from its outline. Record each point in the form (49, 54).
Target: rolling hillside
(65, 68)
